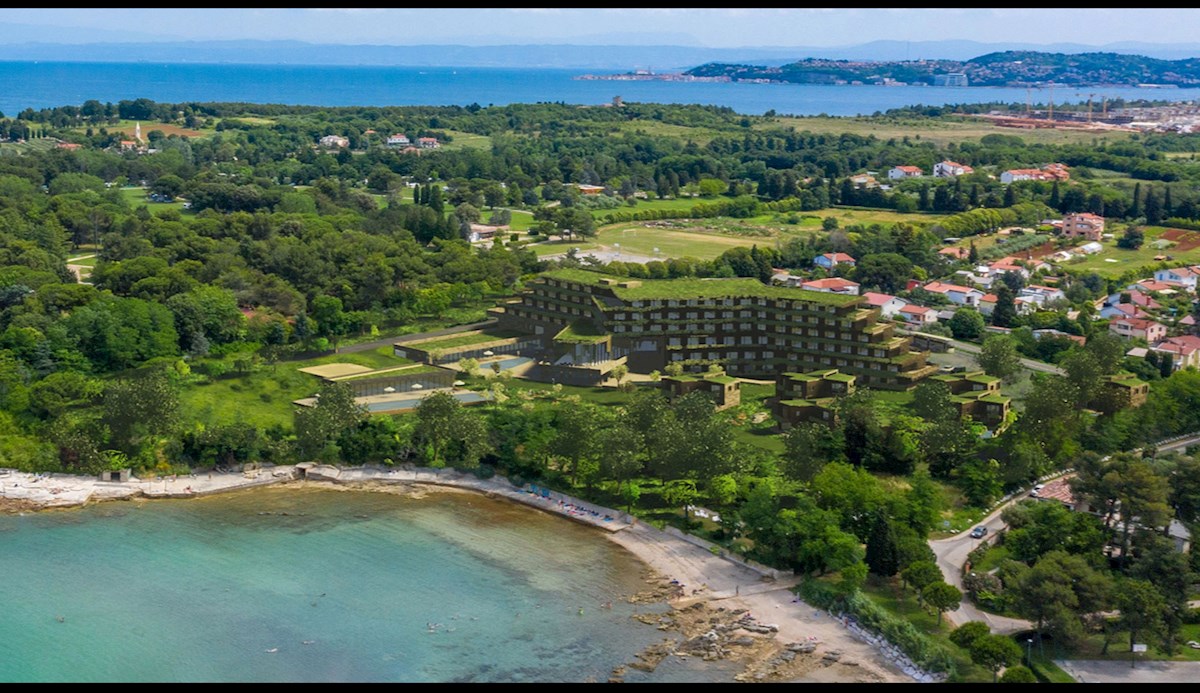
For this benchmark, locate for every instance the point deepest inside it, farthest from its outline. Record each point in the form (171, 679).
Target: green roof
(723, 379)
(581, 332)
(830, 374)
(824, 402)
(995, 399)
(698, 288)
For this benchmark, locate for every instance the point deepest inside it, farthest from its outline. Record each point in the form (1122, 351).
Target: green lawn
(637, 238)
(557, 247)
(83, 262)
(263, 398)
(465, 340)
(466, 140)
(138, 197)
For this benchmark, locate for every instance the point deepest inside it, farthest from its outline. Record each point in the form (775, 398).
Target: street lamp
(1028, 653)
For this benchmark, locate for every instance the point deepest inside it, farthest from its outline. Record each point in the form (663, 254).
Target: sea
(39, 85)
(314, 584)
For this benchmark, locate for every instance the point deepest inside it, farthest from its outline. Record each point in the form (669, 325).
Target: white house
(887, 304)
(832, 285)
(1182, 275)
(1041, 295)
(428, 143)
(333, 141)
(905, 172)
(397, 140)
(950, 169)
(918, 316)
(831, 260)
(961, 295)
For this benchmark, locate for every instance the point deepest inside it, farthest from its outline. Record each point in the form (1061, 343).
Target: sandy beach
(724, 610)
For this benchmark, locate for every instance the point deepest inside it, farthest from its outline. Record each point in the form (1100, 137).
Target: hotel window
(768, 354)
(620, 316)
(747, 355)
(672, 303)
(674, 341)
(744, 326)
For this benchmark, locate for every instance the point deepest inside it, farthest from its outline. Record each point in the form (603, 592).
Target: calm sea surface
(215, 590)
(40, 85)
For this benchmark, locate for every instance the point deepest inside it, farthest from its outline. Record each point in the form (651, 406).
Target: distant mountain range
(23, 43)
(1000, 69)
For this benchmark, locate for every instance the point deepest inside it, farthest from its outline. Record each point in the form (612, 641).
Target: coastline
(724, 608)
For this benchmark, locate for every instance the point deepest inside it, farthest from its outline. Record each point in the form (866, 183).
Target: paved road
(1116, 671)
(1031, 364)
(388, 341)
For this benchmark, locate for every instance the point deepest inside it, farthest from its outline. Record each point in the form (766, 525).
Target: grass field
(127, 127)
(636, 238)
(466, 140)
(264, 397)
(137, 197)
(39, 145)
(940, 132)
(558, 247)
(1186, 250)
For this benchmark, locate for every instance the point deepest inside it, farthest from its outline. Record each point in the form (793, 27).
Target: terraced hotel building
(586, 323)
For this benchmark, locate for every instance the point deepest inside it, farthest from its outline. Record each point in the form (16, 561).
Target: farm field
(940, 132)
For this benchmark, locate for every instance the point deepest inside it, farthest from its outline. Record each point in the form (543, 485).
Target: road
(1119, 671)
(952, 552)
(388, 341)
(1031, 364)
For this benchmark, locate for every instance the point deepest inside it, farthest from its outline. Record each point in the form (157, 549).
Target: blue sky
(695, 27)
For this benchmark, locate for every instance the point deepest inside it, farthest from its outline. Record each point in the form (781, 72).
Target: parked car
(979, 532)
(1035, 490)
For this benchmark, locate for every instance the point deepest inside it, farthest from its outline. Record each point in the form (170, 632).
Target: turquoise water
(319, 585)
(48, 84)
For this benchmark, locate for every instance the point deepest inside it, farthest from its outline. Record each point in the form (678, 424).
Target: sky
(713, 28)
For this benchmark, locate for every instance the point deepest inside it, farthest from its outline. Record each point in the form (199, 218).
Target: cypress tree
(883, 556)
(1154, 208)
(1135, 210)
(1005, 312)
(1010, 196)
(973, 254)
(1166, 205)
(1055, 198)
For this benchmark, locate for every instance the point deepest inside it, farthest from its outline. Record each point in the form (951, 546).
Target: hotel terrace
(586, 324)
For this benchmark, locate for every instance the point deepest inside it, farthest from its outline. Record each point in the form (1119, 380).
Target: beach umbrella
(459, 383)
(389, 389)
(489, 352)
(417, 386)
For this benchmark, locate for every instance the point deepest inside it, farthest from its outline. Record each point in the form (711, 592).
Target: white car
(1035, 490)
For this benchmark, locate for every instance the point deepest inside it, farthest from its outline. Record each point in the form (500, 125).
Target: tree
(980, 481)
(999, 358)
(138, 407)
(965, 635)
(1018, 673)
(1005, 312)
(807, 448)
(673, 369)
(920, 575)
(967, 323)
(619, 372)
(889, 271)
(882, 555)
(1132, 239)
(620, 450)
(942, 597)
(577, 426)
(317, 427)
(446, 432)
(1142, 610)
(681, 492)
(994, 652)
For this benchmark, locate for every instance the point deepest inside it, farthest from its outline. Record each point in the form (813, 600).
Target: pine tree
(1010, 196)
(883, 556)
(1055, 197)
(1154, 207)
(1166, 205)
(973, 254)
(1005, 312)
(1135, 210)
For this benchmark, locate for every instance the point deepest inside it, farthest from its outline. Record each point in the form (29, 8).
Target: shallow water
(286, 584)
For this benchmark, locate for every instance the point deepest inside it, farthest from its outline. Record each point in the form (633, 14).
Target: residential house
(1165, 288)
(334, 141)
(917, 316)
(961, 295)
(864, 180)
(1041, 295)
(585, 189)
(1083, 225)
(804, 397)
(831, 260)
(398, 141)
(1123, 310)
(1059, 491)
(1050, 333)
(1184, 350)
(1049, 172)
(1180, 275)
(905, 172)
(886, 303)
(950, 169)
(428, 143)
(1136, 327)
(833, 285)
(70, 146)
